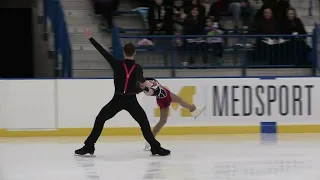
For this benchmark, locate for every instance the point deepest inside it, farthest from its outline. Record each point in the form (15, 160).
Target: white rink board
(28, 104)
(74, 103)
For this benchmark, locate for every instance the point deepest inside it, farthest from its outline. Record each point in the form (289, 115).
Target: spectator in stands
(179, 13)
(267, 25)
(196, 3)
(292, 24)
(278, 8)
(106, 8)
(159, 18)
(296, 49)
(215, 44)
(193, 25)
(265, 48)
(238, 8)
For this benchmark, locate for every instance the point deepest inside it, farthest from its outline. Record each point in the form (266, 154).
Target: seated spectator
(215, 44)
(265, 49)
(297, 49)
(238, 8)
(267, 25)
(196, 3)
(193, 25)
(278, 8)
(106, 8)
(159, 18)
(292, 24)
(179, 13)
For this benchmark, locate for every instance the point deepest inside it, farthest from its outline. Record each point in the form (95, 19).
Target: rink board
(68, 107)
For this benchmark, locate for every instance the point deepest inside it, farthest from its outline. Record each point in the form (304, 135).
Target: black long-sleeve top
(119, 72)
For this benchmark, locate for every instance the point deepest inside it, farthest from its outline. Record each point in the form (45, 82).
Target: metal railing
(223, 51)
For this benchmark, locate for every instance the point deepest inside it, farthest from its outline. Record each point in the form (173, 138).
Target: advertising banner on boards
(241, 101)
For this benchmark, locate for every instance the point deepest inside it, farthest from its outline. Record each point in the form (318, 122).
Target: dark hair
(129, 50)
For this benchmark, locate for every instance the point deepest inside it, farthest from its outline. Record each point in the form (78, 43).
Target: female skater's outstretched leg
(195, 111)
(179, 100)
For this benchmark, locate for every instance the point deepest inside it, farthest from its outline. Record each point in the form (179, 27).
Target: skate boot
(160, 151)
(85, 150)
(198, 111)
(147, 147)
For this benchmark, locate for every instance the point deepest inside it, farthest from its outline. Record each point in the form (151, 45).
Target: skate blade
(160, 155)
(86, 155)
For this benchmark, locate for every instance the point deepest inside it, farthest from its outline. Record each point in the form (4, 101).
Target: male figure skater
(164, 99)
(126, 74)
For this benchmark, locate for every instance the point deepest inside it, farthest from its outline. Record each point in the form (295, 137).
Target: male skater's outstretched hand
(98, 46)
(88, 33)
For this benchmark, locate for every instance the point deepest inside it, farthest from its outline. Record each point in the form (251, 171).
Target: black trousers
(118, 103)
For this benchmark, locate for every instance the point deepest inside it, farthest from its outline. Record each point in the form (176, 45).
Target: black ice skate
(85, 150)
(160, 151)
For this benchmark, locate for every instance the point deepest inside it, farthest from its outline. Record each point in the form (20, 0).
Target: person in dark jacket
(160, 18)
(196, 3)
(267, 25)
(193, 25)
(296, 49)
(292, 24)
(278, 8)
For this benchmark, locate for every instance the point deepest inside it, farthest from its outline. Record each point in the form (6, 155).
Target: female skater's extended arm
(103, 52)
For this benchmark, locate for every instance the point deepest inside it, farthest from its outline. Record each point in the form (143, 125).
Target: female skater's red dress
(165, 101)
(163, 98)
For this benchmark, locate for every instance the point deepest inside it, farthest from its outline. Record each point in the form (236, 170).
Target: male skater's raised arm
(111, 60)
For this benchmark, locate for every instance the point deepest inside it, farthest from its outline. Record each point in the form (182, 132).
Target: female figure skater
(164, 98)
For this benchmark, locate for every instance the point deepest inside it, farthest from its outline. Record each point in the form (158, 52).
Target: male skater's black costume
(126, 74)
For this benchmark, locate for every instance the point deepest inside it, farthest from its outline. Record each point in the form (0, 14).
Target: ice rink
(219, 157)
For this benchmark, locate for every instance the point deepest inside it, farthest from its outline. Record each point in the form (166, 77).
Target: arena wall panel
(67, 107)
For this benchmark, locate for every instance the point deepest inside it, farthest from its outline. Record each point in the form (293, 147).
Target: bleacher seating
(162, 58)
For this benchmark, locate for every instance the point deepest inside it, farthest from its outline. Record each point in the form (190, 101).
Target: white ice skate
(147, 147)
(198, 111)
